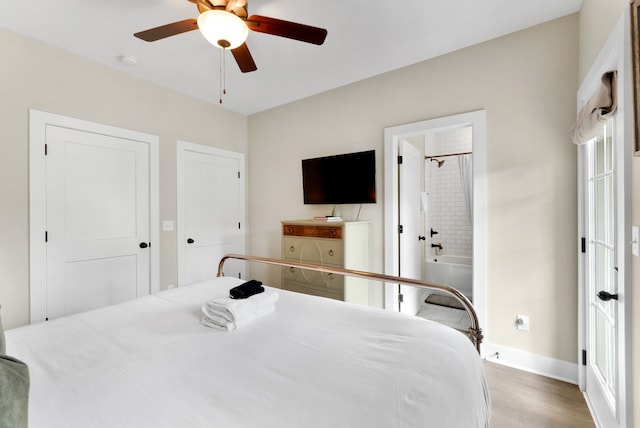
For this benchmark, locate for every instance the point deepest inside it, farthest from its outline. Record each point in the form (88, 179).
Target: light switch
(167, 226)
(635, 240)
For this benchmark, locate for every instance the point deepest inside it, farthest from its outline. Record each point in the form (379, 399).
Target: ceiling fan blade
(244, 59)
(157, 33)
(290, 30)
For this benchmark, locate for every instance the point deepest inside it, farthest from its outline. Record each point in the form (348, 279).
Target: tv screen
(341, 179)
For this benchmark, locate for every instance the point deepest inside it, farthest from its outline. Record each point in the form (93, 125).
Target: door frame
(182, 147)
(38, 120)
(615, 54)
(392, 135)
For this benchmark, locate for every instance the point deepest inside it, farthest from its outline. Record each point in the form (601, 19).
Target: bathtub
(454, 271)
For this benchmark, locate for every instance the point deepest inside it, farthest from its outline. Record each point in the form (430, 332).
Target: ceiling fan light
(223, 29)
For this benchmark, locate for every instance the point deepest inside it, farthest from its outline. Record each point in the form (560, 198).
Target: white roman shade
(597, 111)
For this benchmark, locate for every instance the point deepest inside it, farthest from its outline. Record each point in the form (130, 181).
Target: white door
(603, 309)
(211, 218)
(409, 215)
(97, 220)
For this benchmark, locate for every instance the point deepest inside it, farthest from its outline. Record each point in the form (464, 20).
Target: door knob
(143, 245)
(605, 296)
(190, 241)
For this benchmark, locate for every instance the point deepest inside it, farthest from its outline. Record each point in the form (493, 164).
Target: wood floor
(522, 399)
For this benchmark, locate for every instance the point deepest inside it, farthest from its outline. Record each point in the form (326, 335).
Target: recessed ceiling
(364, 39)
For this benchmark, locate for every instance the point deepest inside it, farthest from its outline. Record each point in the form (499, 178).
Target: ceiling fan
(226, 24)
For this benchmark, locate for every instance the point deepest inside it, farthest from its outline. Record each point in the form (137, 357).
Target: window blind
(597, 110)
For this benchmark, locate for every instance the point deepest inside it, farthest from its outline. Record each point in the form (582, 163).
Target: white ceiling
(365, 38)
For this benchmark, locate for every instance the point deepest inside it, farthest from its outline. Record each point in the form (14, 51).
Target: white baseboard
(538, 364)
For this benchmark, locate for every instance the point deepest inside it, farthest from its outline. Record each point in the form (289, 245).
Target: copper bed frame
(474, 332)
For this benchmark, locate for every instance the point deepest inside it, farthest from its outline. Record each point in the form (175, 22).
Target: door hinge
(584, 357)
(400, 160)
(400, 298)
(400, 228)
(45, 149)
(583, 244)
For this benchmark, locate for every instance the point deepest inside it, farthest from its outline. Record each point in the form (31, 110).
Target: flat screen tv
(341, 179)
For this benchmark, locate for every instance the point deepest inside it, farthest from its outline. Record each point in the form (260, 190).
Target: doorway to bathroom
(435, 209)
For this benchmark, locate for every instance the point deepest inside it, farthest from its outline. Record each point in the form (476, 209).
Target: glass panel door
(601, 273)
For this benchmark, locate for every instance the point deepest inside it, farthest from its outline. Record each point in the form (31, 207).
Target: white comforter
(313, 363)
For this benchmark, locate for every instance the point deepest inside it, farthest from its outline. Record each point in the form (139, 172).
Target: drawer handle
(291, 269)
(332, 232)
(292, 249)
(331, 252)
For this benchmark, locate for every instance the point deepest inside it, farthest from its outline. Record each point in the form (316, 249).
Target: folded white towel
(231, 309)
(228, 314)
(237, 309)
(220, 323)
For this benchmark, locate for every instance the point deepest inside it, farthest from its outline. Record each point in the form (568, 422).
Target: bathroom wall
(446, 210)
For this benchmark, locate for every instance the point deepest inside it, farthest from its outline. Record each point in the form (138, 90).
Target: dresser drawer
(313, 279)
(317, 251)
(312, 231)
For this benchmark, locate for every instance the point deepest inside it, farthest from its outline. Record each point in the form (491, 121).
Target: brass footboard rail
(474, 332)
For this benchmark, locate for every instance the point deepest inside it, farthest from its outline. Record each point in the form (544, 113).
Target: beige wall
(36, 76)
(596, 20)
(527, 82)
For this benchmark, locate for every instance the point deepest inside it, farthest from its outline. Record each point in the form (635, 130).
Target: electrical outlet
(522, 322)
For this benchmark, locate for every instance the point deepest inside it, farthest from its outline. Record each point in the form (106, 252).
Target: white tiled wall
(446, 210)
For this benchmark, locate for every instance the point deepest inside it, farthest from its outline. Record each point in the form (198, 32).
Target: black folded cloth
(247, 289)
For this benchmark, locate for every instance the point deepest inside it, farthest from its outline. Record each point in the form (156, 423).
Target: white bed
(315, 362)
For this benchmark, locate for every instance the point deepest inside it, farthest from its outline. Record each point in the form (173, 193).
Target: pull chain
(222, 89)
(223, 77)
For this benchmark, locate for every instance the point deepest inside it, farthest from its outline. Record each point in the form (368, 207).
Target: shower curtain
(465, 166)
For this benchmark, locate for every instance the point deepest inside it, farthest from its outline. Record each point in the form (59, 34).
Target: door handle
(144, 245)
(190, 241)
(421, 238)
(606, 296)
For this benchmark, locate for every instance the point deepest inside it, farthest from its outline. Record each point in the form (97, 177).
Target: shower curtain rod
(450, 154)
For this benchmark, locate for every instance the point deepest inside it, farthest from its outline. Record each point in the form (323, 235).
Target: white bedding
(313, 363)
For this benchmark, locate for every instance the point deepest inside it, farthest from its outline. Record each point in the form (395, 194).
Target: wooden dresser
(345, 244)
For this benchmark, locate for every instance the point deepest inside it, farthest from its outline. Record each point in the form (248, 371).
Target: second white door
(211, 211)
